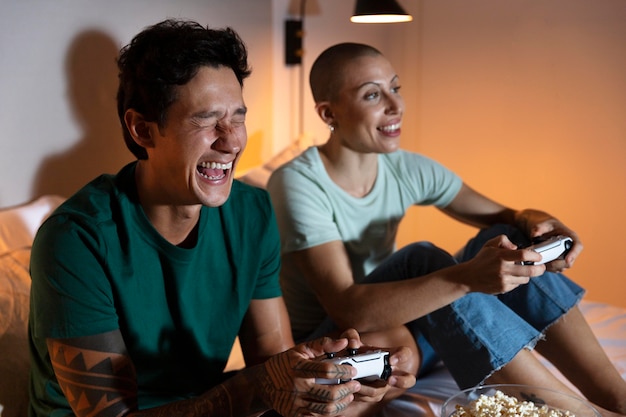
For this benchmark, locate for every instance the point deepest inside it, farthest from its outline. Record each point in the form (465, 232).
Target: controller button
(330, 355)
(352, 351)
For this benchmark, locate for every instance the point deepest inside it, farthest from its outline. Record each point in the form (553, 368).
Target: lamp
(379, 11)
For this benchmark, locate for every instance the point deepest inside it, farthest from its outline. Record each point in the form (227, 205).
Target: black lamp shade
(388, 10)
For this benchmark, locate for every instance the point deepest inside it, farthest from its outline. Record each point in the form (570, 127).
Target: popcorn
(502, 405)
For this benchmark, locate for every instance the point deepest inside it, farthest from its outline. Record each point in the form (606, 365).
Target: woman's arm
(379, 306)
(473, 208)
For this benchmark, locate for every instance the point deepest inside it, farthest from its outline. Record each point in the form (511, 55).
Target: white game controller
(369, 365)
(550, 249)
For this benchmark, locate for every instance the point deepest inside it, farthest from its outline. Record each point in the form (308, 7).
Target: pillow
(19, 224)
(259, 176)
(14, 306)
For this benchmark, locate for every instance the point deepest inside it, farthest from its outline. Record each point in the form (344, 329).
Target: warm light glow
(381, 18)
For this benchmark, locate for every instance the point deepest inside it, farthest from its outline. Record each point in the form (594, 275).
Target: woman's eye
(238, 121)
(371, 96)
(396, 90)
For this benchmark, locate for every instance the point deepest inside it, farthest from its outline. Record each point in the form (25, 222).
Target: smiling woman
(339, 206)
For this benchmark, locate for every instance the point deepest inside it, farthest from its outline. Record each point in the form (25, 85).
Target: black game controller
(555, 247)
(369, 365)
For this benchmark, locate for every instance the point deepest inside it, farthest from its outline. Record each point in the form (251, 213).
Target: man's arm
(265, 330)
(98, 378)
(95, 373)
(266, 337)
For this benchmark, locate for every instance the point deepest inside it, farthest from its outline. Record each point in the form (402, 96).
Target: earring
(331, 128)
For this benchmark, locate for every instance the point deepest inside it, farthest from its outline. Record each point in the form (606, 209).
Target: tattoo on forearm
(94, 383)
(104, 384)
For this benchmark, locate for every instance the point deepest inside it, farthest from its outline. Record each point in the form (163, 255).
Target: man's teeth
(390, 128)
(216, 165)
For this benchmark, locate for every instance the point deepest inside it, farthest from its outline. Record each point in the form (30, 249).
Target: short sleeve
(70, 294)
(304, 212)
(424, 180)
(268, 285)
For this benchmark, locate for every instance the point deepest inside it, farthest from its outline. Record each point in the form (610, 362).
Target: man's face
(195, 153)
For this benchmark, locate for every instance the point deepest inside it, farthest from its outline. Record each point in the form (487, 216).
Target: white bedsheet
(426, 397)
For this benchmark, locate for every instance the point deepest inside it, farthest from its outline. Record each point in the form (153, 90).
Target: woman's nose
(395, 104)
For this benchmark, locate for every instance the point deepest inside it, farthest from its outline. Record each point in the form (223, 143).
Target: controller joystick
(555, 247)
(370, 366)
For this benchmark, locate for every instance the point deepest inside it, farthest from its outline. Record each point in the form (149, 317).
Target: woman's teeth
(390, 128)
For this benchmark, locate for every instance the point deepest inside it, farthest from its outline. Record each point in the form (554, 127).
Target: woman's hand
(401, 379)
(497, 268)
(537, 223)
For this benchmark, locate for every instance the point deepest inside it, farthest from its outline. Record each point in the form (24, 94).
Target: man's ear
(140, 129)
(324, 112)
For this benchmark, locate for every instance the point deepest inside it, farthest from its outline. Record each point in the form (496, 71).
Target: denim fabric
(478, 333)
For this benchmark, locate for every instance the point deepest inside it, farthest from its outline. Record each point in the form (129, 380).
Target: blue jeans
(478, 333)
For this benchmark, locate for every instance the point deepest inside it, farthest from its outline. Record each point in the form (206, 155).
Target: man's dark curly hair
(165, 56)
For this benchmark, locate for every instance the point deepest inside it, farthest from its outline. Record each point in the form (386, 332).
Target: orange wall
(526, 101)
(523, 98)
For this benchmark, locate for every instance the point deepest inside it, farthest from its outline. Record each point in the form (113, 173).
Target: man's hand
(286, 382)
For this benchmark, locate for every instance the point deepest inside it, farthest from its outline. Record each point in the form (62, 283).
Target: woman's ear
(140, 129)
(324, 112)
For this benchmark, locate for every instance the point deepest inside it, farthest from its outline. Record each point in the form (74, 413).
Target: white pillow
(19, 224)
(14, 306)
(259, 176)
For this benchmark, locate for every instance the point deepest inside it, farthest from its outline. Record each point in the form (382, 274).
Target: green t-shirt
(98, 265)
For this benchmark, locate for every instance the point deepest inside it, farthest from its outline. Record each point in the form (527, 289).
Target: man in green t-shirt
(142, 280)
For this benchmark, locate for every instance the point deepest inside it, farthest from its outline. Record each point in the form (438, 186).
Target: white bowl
(539, 396)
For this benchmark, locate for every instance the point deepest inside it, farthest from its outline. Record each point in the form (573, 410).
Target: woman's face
(367, 110)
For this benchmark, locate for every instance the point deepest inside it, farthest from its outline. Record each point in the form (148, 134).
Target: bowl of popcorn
(509, 400)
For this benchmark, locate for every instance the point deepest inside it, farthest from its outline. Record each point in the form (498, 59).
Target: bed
(19, 224)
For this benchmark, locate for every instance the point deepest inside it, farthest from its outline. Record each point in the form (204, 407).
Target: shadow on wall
(92, 86)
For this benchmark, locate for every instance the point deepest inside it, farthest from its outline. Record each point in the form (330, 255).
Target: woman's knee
(477, 242)
(411, 261)
(424, 257)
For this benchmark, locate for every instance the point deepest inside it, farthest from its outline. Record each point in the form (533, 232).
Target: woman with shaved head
(339, 205)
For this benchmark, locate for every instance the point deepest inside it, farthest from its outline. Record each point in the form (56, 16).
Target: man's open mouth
(214, 170)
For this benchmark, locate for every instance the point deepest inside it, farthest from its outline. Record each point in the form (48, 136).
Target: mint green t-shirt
(98, 265)
(312, 210)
